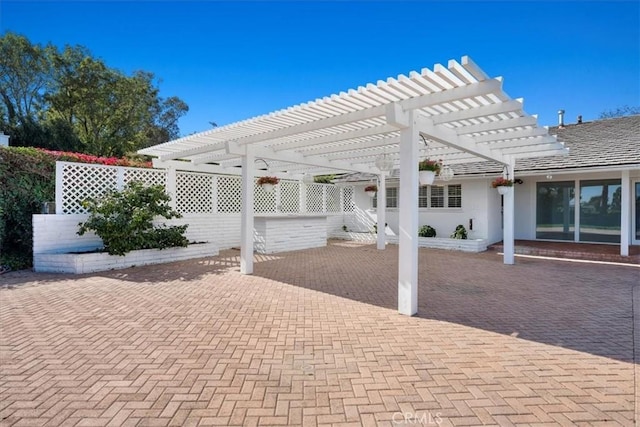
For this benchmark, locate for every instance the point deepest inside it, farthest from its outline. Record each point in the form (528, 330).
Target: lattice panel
(229, 194)
(194, 192)
(264, 202)
(81, 181)
(289, 196)
(315, 198)
(148, 176)
(347, 196)
(333, 198)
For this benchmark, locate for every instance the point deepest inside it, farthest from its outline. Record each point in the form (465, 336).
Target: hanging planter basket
(503, 185)
(268, 183)
(502, 189)
(371, 190)
(426, 177)
(427, 171)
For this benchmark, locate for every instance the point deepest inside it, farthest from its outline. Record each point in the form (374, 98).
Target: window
(423, 197)
(454, 196)
(437, 197)
(429, 196)
(392, 198)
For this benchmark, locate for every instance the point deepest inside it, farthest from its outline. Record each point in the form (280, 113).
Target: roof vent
(579, 119)
(560, 118)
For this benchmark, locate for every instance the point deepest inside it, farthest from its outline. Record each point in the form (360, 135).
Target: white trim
(634, 196)
(625, 212)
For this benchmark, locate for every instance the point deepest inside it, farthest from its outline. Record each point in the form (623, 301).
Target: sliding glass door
(555, 210)
(600, 207)
(637, 216)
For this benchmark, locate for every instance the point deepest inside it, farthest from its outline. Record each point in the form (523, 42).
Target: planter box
(102, 261)
(464, 245)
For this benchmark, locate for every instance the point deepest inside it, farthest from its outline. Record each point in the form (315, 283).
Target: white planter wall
(93, 262)
(58, 233)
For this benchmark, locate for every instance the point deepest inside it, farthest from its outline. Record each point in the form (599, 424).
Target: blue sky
(234, 60)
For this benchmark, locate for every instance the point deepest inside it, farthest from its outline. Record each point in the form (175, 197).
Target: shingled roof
(598, 144)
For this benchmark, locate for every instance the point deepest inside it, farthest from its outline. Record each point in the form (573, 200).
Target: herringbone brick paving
(313, 338)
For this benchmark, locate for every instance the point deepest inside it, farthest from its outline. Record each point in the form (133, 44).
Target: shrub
(460, 233)
(124, 219)
(27, 180)
(427, 231)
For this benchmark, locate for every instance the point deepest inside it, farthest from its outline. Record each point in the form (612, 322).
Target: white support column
(509, 218)
(408, 220)
(171, 186)
(382, 210)
(625, 214)
(246, 238)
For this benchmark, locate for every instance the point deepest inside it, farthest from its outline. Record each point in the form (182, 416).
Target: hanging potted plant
(371, 190)
(427, 171)
(267, 183)
(502, 185)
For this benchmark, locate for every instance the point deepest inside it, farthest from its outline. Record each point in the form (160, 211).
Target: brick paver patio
(313, 338)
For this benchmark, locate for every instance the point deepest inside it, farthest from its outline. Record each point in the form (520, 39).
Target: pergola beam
(293, 157)
(448, 136)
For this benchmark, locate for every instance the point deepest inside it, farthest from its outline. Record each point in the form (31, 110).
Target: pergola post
(408, 220)
(246, 234)
(625, 213)
(381, 211)
(508, 217)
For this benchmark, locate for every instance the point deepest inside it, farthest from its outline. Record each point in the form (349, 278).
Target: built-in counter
(281, 233)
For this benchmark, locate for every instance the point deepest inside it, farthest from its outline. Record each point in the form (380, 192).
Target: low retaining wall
(102, 261)
(464, 245)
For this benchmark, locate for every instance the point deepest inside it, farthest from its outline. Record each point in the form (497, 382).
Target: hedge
(27, 180)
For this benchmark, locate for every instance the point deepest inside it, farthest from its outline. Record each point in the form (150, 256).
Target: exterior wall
(58, 233)
(477, 200)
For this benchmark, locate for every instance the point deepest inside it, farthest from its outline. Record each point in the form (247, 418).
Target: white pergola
(464, 115)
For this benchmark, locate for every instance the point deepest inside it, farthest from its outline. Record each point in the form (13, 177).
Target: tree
(620, 112)
(25, 72)
(68, 100)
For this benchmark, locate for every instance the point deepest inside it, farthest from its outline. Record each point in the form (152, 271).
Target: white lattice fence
(315, 198)
(76, 182)
(229, 194)
(196, 192)
(289, 196)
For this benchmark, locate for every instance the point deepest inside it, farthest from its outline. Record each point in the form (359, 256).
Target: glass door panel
(637, 207)
(555, 210)
(600, 206)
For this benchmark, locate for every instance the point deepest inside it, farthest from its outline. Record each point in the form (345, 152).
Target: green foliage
(427, 231)
(68, 100)
(26, 181)
(324, 179)
(460, 233)
(124, 219)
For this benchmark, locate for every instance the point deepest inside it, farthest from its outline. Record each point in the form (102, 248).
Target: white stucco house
(603, 164)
